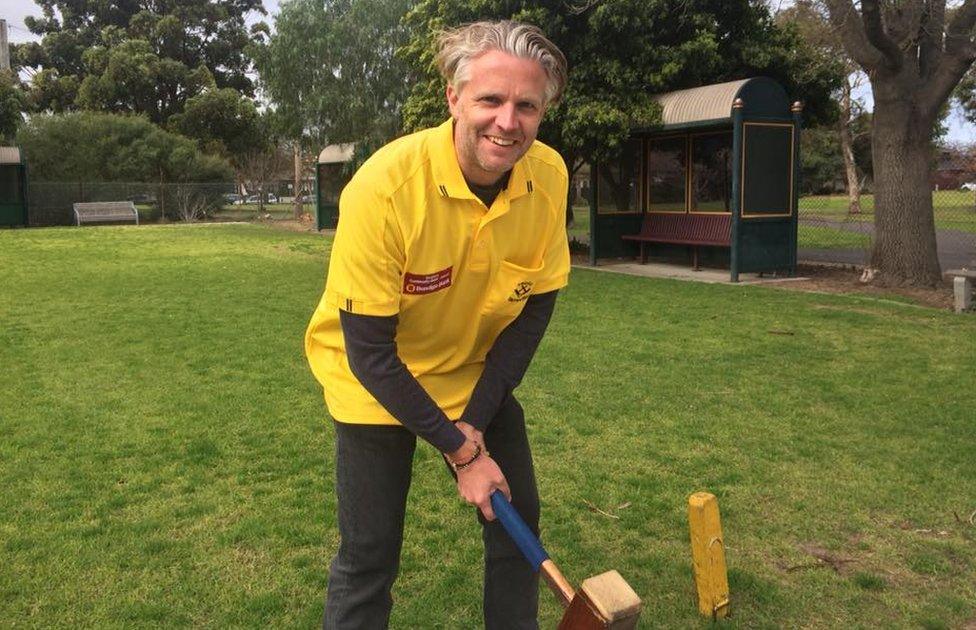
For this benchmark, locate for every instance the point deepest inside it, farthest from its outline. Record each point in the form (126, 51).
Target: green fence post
(593, 169)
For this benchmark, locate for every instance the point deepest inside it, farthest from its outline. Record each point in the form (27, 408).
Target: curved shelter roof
(337, 153)
(712, 104)
(9, 155)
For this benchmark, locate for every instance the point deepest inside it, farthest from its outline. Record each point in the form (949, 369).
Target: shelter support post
(736, 206)
(797, 110)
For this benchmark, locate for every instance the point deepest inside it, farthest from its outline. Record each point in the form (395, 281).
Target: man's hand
(477, 481)
(471, 433)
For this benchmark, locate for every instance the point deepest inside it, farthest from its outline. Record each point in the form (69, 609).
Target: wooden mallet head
(603, 601)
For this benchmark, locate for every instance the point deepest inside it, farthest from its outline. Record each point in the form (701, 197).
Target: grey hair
(457, 47)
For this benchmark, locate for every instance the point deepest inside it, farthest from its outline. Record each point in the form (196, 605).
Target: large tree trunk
(847, 150)
(904, 244)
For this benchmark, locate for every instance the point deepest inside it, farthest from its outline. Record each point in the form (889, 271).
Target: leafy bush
(97, 147)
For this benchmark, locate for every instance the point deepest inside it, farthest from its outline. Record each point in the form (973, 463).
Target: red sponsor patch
(420, 284)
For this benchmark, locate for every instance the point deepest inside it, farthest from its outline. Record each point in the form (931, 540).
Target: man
(450, 249)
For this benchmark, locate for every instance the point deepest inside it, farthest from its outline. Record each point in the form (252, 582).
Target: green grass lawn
(821, 237)
(166, 460)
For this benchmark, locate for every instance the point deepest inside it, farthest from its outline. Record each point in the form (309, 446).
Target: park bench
(696, 230)
(962, 287)
(105, 211)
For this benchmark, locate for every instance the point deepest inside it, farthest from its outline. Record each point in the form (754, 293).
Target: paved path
(956, 248)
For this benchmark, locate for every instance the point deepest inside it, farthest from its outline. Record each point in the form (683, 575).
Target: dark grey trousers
(373, 466)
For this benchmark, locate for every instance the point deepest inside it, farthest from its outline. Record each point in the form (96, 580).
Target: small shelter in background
(331, 176)
(13, 187)
(717, 180)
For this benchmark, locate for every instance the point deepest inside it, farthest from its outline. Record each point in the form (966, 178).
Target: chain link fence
(51, 203)
(830, 233)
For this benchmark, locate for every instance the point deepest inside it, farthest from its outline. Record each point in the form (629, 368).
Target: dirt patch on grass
(305, 224)
(847, 280)
(823, 558)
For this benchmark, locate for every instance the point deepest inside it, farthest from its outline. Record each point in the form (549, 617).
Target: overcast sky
(15, 11)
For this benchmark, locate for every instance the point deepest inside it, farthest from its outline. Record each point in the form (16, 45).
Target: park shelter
(13, 187)
(331, 176)
(719, 174)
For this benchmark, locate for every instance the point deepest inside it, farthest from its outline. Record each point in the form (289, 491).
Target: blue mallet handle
(531, 548)
(524, 539)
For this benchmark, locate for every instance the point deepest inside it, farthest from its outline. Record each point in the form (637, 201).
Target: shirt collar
(447, 172)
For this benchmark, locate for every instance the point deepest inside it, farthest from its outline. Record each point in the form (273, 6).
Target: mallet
(603, 601)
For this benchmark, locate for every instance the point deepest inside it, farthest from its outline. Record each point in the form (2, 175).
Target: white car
(268, 198)
(968, 186)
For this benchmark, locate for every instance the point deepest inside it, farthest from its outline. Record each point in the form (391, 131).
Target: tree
(259, 166)
(130, 78)
(822, 160)
(332, 75)
(915, 52)
(223, 122)
(330, 68)
(806, 16)
(13, 104)
(138, 56)
(96, 147)
(613, 72)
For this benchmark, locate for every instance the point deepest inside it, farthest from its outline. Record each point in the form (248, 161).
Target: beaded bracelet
(463, 465)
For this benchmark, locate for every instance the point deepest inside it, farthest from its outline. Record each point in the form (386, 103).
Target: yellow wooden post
(708, 555)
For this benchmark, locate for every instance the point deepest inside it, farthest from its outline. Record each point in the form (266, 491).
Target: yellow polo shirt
(413, 241)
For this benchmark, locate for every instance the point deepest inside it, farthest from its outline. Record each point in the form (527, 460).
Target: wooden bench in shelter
(105, 211)
(694, 229)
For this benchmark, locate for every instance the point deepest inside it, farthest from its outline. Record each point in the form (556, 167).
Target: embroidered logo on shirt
(423, 283)
(521, 292)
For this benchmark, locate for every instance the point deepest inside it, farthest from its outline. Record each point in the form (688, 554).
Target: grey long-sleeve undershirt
(372, 354)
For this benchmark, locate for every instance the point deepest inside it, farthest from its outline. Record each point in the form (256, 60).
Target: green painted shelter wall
(609, 229)
(768, 168)
(13, 195)
(765, 244)
(329, 182)
(764, 97)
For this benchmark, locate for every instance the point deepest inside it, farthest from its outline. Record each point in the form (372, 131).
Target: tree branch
(903, 23)
(875, 32)
(844, 17)
(960, 29)
(930, 44)
(960, 52)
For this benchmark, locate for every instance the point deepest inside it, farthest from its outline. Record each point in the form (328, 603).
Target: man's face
(496, 114)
